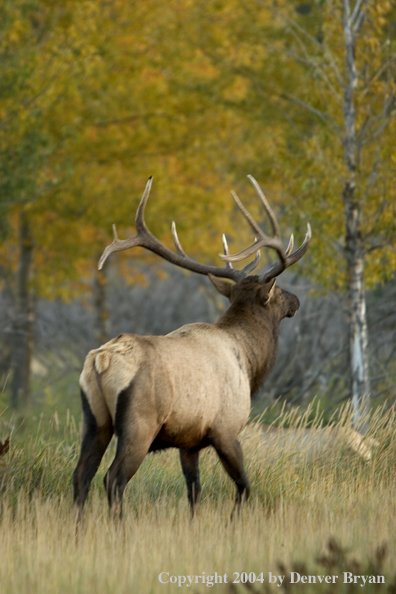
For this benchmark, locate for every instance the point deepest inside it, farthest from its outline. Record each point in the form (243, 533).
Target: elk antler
(287, 258)
(144, 238)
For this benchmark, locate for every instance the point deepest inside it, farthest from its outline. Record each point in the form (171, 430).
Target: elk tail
(102, 361)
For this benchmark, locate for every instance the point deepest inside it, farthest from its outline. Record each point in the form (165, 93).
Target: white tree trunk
(354, 249)
(358, 337)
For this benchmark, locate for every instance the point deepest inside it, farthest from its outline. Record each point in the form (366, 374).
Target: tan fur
(191, 387)
(102, 393)
(188, 389)
(102, 361)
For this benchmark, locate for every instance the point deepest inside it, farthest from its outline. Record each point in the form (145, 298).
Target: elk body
(191, 388)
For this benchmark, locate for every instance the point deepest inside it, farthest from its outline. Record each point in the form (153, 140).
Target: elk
(191, 388)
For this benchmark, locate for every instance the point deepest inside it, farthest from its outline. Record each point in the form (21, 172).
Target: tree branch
(317, 112)
(356, 11)
(359, 18)
(321, 45)
(308, 61)
(378, 131)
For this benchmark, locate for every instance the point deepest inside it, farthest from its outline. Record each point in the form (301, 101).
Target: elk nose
(294, 304)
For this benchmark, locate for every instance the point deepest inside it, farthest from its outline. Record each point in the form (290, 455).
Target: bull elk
(191, 388)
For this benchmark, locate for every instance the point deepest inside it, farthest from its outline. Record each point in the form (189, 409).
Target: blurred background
(96, 96)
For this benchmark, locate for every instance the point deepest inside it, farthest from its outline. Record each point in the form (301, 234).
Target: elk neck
(255, 329)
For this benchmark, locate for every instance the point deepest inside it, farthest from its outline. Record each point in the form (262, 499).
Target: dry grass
(297, 503)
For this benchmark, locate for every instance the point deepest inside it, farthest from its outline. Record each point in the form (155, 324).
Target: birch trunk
(357, 320)
(354, 249)
(22, 340)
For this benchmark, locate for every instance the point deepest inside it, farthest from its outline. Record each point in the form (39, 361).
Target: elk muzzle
(291, 303)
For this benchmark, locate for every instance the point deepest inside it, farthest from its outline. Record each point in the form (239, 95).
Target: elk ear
(223, 286)
(268, 290)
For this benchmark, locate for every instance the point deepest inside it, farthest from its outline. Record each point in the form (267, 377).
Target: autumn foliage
(95, 97)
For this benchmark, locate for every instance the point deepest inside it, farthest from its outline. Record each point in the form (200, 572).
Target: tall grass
(297, 503)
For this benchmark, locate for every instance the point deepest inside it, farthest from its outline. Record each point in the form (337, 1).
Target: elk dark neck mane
(255, 328)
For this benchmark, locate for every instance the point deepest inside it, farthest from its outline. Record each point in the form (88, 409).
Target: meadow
(318, 515)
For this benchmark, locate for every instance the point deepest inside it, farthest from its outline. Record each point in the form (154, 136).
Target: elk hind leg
(135, 434)
(94, 442)
(231, 457)
(189, 462)
(129, 456)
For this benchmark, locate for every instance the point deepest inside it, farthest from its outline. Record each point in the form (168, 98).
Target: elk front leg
(189, 461)
(231, 457)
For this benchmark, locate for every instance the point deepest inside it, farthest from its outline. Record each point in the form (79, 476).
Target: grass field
(297, 504)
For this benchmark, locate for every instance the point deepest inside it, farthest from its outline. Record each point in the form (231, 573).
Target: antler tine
(226, 251)
(115, 246)
(249, 267)
(246, 214)
(289, 248)
(253, 264)
(278, 267)
(176, 241)
(264, 241)
(118, 245)
(139, 219)
(267, 207)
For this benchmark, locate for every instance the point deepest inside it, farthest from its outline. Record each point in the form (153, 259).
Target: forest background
(96, 96)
